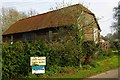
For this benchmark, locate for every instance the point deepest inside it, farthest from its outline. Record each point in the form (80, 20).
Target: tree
(80, 23)
(31, 13)
(116, 23)
(9, 16)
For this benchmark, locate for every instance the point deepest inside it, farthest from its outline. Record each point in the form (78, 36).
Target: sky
(103, 9)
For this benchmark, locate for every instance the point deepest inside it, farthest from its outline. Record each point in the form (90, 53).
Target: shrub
(67, 53)
(13, 61)
(16, 58)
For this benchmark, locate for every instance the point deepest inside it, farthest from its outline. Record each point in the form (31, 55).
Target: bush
(63, 54)
(67, 53)
(16, 58)
(13, 61)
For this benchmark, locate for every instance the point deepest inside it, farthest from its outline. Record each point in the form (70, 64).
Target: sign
(38, 69)
(37, 61)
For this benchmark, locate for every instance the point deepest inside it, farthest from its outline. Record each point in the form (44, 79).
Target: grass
(102, 65)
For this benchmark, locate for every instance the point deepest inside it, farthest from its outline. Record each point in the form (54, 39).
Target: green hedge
(16, 57)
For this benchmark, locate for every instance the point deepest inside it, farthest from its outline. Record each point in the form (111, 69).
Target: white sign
(38, 69)
(37, 61)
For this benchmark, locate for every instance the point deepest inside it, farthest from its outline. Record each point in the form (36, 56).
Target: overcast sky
(101, 8)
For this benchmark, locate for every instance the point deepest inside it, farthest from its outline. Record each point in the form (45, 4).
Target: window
(50, 35)
(61, 34)
(28, 36)
(96, 35)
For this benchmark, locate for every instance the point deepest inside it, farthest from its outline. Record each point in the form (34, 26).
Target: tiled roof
(60, 17)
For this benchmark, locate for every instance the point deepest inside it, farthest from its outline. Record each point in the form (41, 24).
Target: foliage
(98, 66)
(67, 53)
(9, 16)
(12, 57)
(116, 45)
(16, 57)
(116, 23)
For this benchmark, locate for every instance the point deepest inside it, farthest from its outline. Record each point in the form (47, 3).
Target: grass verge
(103, 65)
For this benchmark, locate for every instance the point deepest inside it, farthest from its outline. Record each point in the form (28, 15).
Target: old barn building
(46, 25)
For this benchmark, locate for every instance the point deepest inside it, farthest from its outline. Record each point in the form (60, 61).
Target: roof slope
(60, 17)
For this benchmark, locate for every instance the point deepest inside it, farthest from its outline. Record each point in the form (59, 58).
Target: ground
(108, 74)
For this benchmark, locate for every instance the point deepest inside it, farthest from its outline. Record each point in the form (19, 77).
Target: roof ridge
(55, 11)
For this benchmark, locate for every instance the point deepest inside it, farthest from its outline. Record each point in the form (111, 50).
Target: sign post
(38, 65)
